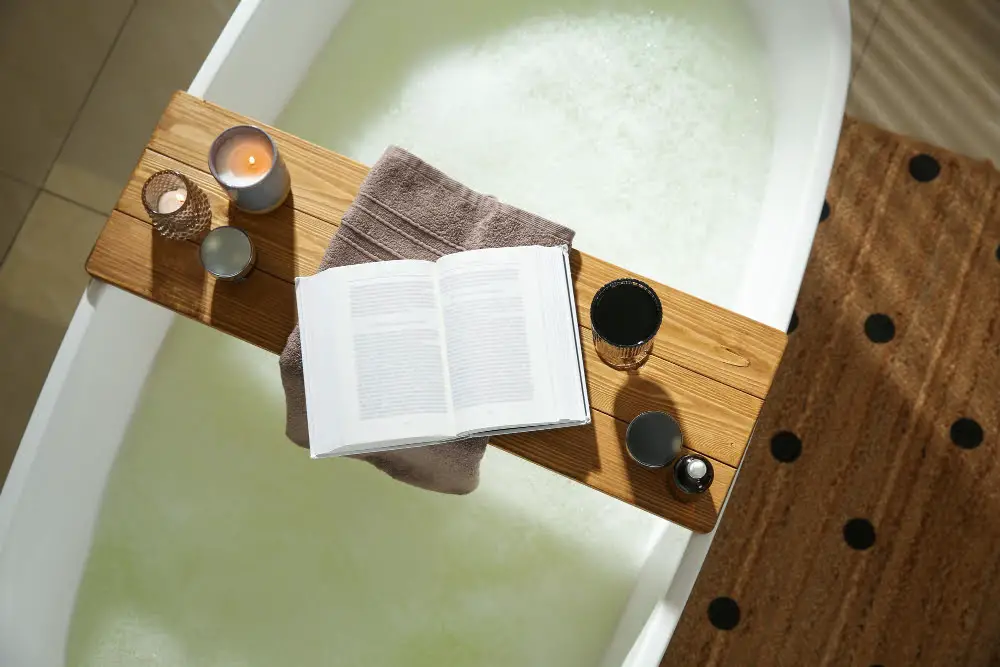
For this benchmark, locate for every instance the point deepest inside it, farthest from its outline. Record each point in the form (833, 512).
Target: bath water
(221, 544)
(643, 125)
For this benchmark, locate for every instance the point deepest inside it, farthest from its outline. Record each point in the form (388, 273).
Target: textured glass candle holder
(178, 208)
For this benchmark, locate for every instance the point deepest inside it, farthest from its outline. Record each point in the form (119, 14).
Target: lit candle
(171, 200)
(245, 161)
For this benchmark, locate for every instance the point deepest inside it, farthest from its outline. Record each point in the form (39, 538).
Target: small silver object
(227, 253)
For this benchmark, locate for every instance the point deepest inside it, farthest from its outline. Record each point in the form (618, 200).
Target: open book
(409, 352)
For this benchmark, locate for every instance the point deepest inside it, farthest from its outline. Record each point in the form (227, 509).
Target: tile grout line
(103, 214)
(868, 39)
(17, 179)
(69, 132)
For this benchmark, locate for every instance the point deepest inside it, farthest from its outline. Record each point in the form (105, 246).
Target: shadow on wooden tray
(259, 309)
(651, 397)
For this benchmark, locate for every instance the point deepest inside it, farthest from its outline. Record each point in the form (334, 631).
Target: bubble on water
(629, 128)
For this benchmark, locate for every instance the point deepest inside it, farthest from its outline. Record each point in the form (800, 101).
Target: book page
(375, 355)
(492, 320)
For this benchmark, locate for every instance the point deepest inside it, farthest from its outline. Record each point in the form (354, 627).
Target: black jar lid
(693, 473)
(653, 439)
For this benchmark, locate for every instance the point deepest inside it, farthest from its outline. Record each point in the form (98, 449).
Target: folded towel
(407, 209)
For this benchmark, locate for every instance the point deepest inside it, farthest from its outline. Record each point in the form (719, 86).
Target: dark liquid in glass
(626, 314)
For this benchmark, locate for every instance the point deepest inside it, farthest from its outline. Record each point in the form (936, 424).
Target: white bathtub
(53, 493)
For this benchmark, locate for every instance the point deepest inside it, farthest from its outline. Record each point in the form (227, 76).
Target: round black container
(693, 474)
(625, 316)
(653, 439)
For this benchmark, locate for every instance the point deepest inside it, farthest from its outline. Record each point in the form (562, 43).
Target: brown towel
(407, 209)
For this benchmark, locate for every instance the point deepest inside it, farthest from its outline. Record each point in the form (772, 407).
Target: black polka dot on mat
(825, 213)
(879, 328)
(793, 323)
(859, 534)
(967, 433)
(786, 446)
(724, 613)
(924, 167)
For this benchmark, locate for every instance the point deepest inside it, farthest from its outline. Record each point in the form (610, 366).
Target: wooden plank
(710, 368)
(289, 242)
(716, 420)
(595, 455)
(704, 338)
(261, 311)
(325, 183)
(131, 255)
(697, 335)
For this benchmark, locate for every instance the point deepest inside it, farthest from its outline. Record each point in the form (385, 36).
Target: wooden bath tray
(711, 368)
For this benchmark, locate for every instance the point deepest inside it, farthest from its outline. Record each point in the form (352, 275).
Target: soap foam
(647, 132)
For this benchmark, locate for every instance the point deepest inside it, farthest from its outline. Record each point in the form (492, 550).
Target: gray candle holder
(252, 193)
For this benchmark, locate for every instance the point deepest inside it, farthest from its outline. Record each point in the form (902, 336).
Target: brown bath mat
(865, 525)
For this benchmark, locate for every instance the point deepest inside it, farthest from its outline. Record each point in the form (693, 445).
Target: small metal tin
(227, 253)
(693, 475)
(653, 439)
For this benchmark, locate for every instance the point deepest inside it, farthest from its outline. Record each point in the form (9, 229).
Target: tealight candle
(245, 161)
(171, 200)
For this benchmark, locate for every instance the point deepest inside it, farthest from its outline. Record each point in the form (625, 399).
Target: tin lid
(226, 252)
(653, 439)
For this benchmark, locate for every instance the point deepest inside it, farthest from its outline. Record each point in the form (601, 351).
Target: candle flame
(252, 160)
(181, 196)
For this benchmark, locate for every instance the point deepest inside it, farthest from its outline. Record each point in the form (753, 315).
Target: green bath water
(221, 544)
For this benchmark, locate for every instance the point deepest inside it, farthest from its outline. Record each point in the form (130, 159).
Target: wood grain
(131, 255)
(594, 455)
(695, 334)
(715, 419)
(700, 336)
(324, 182)
(289, 242)
(710, 369)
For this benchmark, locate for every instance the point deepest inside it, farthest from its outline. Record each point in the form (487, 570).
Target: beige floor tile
(50, 52)
(160, 50)
(41, 282)
(15, 200)
(932, 71)
(863, 17)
